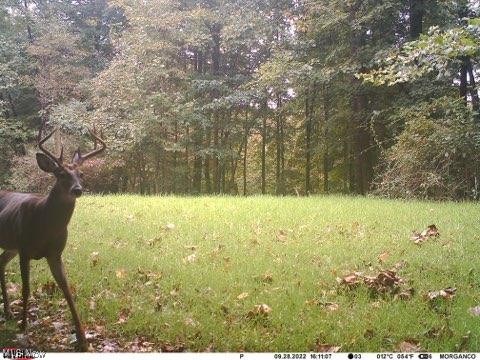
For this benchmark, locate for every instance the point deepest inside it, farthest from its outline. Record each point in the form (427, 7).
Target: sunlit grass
(283, 252)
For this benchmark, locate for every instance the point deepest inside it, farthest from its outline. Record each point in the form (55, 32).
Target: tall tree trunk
(208, 183)
(417, 10)
(463, 79)
(187, 162)
(473, 88)
(326, 155)
(308, 140)
(245, 147)
(264, 150)
(29, 29)
(174, 170)
(280, 158)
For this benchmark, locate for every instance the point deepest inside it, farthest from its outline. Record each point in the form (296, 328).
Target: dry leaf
(351, 279)
(242, 296)
(327, 348)
(120, 273)
(383, 257)
(190, 259)
(169, 227)
(331, 306)
(409, 346)
(475, 311)
(123, 316)
(282, 235)
(190, 322)
(446, 293)
(258, 310)
(430, 231)
(267, 278)
(94, 258)
(405, 294)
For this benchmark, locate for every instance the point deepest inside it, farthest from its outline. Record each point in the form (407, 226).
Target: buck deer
(35, 226)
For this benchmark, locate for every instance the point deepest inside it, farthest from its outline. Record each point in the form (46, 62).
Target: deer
(35, 226)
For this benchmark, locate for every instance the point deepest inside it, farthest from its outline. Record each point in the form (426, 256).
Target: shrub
(436, 156)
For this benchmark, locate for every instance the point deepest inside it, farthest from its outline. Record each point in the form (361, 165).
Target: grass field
(177, 273)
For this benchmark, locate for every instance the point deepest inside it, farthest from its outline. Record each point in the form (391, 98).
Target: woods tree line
(247, 96)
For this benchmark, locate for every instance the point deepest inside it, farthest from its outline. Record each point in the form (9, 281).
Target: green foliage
(436, 154)
(437, 51)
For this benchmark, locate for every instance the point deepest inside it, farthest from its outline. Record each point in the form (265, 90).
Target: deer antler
(81, 158)
(58, 160)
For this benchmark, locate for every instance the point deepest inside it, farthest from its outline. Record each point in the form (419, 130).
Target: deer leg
(5, 258)
(58, 272)
(25, 270)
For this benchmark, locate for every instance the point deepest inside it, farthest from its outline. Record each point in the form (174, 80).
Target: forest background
(247, 97)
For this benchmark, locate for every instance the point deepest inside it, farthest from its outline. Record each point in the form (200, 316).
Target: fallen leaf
(405, 294)
(446, 293)
(169, 227)
(123, 316)
(258, 310)
(191, 322)
(174, 292)
(267, 278)
(120, 273)
(331, 306)
(179, 347)
(190, 259)
(94, 258)
(282, 235)
(430, 231)
(242, 296)
(327, 348)
(475, 311)
(92, 305)
(383, 257)
(350, 280)
(409, 346)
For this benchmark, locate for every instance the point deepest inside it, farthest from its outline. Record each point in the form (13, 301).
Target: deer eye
(81, 174)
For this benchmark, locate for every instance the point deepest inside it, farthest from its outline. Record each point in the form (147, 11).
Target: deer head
(69, 176)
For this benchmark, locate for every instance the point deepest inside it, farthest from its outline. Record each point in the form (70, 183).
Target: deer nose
(77, 191)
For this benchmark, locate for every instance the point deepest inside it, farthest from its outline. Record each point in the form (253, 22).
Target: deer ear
(77, 157)
(45, 163)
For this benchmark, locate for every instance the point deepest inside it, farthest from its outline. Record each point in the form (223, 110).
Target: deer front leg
(58, 272)
(5, 258)
(25, 270)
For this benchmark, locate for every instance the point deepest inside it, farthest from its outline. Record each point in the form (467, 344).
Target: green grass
(283, 252)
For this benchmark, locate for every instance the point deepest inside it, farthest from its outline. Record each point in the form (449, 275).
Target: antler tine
(95, 151)
(41, 141)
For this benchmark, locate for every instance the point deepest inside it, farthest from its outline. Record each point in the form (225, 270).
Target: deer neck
(60, 205)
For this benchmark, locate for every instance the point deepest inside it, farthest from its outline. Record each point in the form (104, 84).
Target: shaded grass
(284, 252)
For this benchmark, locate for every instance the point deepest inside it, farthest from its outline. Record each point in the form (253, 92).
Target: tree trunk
(417, 10)
(29, 29)
(280, 159)
(308, 140)
(208, 183)
(245, 147)
(326, 155)
(473, 88)
(264, 149)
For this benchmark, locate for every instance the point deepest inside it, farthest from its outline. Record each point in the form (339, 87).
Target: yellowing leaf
(242, 296)
(94, 258)
(169, 227)
(190, 259)
(120, 273)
